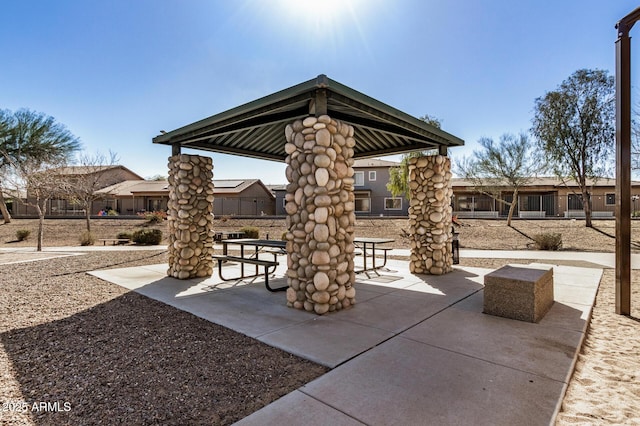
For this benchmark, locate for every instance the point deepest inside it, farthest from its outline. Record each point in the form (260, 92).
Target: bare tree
(508, 164)
(41, 181)
(83, 187)
(635, 139)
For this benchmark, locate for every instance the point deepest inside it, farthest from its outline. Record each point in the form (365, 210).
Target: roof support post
(623, 163)
(431, 227)
(442, 150)
(321, 103)
(320, 233)
(175, 149)
(190, 224)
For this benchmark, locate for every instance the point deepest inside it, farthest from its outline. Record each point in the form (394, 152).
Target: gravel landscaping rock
(99, 354)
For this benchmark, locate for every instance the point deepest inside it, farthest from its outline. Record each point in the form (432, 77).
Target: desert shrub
(124, 236)
(250, 231)
(548, 241)
(154, 217)
(284, 236)
(147, 236)
(87, 239)
(22, 234)
(112, 213)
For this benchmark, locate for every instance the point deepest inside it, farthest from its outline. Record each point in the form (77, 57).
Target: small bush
(284, 236)
(154, 217)
(22, 234)
(112, 213)
(147, 237)
(548, 241)
(87, 239)
(250, 231)
(124, 236)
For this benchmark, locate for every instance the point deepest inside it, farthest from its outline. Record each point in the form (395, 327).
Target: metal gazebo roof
(256, 129)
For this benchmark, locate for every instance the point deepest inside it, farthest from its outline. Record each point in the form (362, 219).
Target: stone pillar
(190, 216)
(430, 215)
(321, 214)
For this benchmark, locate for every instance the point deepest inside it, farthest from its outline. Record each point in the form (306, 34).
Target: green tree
(575, 127)
(507, 164)
(399, 176)
(35, 137)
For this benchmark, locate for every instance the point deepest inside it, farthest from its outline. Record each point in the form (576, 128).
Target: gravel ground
(119, 357)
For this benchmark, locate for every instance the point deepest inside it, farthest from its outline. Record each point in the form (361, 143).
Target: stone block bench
(522, 293)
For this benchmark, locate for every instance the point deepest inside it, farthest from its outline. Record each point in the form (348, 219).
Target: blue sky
(117, 72)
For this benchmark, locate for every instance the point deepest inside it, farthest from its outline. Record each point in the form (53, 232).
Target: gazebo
(318, 128)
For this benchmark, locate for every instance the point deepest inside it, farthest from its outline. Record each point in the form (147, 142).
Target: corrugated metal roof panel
(256, 129)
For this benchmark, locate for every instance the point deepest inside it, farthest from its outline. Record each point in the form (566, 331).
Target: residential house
(372, 198)
(542, 197)
(249, 197)
(99, 176)
(239, 197)
(370, 189)
(279, 191)
(130, 197)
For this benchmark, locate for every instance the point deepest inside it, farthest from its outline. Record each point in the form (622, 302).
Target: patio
(415, 347)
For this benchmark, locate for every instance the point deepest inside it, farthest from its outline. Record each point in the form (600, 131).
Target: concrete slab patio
(414, 349)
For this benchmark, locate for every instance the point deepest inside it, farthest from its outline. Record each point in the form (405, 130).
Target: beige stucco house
(237, 197)
(542, 197)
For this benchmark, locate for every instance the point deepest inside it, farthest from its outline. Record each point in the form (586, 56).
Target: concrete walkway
(413, 350)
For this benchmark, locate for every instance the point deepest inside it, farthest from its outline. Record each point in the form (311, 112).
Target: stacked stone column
(430, 215)
(321, 217)
(190, 216)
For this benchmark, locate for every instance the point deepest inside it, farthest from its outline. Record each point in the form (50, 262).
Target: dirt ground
(119, 357)
(473, 233)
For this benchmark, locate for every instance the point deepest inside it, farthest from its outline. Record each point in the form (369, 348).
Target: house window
(574, 202)
(393, 203)
(610, 199)
(359, 178)
(362, 202)
(372, 175)
(155, 205)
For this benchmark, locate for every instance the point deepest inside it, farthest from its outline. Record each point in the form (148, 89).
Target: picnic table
(251, 257)
(373, 244)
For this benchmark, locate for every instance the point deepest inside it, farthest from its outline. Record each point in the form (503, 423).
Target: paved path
(414, 349)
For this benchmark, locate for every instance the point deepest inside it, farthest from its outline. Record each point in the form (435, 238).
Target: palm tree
(32, 136)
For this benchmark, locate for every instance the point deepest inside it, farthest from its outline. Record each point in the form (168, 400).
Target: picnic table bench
(114, 241)
(227, 235)
(252, 259)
